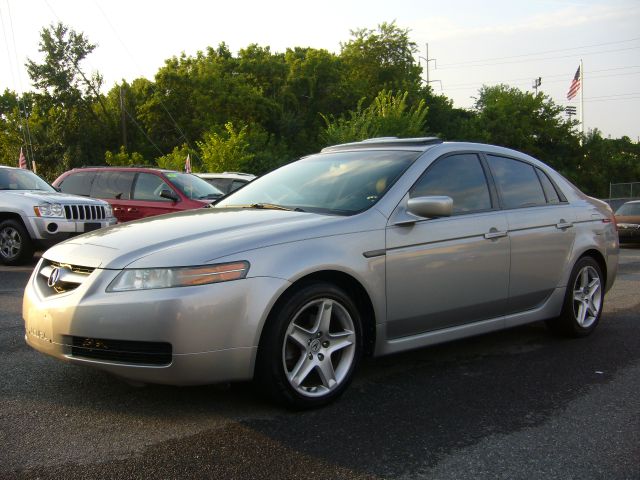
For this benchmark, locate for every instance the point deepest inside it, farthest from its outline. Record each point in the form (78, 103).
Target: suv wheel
(15, 243)
(311, 347)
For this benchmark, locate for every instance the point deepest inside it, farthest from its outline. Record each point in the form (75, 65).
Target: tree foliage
(388, 115)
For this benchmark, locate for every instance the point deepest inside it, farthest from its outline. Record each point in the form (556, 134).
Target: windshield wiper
(266, 206)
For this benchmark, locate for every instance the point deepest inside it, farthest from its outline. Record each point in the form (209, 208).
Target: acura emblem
(54, 277)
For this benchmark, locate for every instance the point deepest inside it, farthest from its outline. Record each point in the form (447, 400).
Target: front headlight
(108, 211)
(49, 210)
(151, 278)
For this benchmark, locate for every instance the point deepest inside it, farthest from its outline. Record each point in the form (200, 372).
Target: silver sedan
(368, 248)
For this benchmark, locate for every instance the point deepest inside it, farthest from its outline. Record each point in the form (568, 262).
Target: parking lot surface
(518, 404)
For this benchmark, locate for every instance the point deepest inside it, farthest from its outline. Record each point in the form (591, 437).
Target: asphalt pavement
(518, 404)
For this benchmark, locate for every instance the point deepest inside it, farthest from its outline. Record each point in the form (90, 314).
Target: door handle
(562, 225)
(494, 233)
(132, 210)
(117, 209)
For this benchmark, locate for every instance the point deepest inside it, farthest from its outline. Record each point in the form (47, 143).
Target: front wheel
(15, 243)
(310, 348)
(583, 301)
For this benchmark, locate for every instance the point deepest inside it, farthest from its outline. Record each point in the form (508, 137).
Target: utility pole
(536, 83)
(123, 120)
(427, 60)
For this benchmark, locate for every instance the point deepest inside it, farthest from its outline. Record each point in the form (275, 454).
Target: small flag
(22, 162)
(575, 85)
(187, 164)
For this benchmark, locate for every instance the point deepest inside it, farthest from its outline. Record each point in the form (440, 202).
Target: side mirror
(166, 193)
(430, 207)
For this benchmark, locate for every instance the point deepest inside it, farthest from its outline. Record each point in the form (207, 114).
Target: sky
(470, 43)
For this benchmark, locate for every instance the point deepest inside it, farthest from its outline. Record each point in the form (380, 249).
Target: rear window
(77, 183)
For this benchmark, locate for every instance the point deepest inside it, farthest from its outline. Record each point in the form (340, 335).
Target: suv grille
(60, 277)
(84, 212)
(125, 351)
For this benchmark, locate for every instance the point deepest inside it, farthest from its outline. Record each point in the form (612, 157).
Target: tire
(583, 301)
(310, 348)
(15, 244)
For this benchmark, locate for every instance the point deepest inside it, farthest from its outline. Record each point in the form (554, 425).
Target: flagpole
(581, 98)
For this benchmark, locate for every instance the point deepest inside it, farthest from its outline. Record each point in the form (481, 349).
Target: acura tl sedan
(367, 248)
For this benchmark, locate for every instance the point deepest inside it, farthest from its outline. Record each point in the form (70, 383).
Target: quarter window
(460, 177)
(517, 181)
(549, 190)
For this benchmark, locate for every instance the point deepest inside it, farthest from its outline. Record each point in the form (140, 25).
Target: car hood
(197, 237)
(52, 197)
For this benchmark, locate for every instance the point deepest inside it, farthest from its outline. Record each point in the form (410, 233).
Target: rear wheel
(583, 301)
(15, 243)
(310, 347)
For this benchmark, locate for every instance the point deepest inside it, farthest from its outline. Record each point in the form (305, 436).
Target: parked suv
(34, 215)
(227, 181)
(138, 192)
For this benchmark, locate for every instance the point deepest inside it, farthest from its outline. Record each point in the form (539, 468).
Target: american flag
(22, 162)
(575, 85)
(187, 164)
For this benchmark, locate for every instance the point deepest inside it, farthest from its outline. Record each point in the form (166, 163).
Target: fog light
(52, 227)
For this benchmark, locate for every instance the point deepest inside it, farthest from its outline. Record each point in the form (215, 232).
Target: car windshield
(194, 187)
(20, 179)
(340, 183)
(629, 209)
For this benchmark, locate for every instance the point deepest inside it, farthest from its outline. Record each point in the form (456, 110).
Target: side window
(517, 182)
(78, 183)
(236, 184)
(149, 187)
(549, 190)
(460, 177)
(110, 184)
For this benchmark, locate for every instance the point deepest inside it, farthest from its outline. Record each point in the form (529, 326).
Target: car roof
(140, 168)
(419, 143)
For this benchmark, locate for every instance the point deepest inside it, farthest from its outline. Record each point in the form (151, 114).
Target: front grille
(123, 351)
(84, 212)
(69, 277)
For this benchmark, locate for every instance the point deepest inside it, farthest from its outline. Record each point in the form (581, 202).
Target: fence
(623, 192)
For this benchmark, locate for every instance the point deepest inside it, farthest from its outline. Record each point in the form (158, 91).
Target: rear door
(445, 272)
(540, 227)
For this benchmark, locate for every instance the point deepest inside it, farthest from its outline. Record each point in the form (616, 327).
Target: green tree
(227, 150)
(123, 158)
(387, 115)
(530, 123)
(381, 59)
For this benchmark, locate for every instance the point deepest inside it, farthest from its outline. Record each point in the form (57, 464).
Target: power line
(584, 54)
(491, 59)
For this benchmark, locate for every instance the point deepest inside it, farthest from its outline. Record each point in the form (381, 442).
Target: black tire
(16, 246)
(293, 342)
(583, 301)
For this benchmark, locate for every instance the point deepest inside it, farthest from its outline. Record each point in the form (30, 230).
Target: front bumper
(56, 229)
(213, 330)
(628, 233)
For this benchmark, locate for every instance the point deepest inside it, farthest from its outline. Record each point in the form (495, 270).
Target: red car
(138, 192)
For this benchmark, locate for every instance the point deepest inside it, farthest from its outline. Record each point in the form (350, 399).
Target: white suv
(34, 215)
